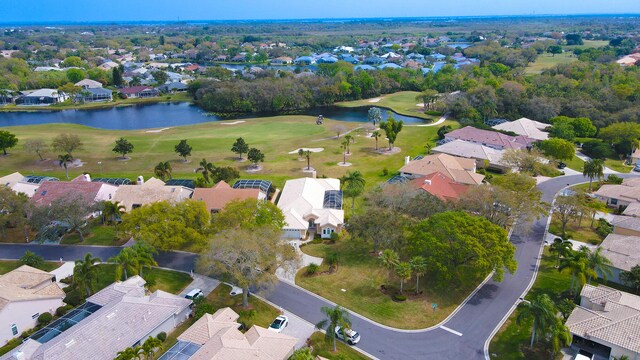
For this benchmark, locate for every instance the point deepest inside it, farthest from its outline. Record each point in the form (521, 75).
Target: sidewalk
(63, 271)
(288, 273)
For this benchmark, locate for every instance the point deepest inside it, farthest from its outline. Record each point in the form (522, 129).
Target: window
(14, 329)
(614, 201)
(35, 316)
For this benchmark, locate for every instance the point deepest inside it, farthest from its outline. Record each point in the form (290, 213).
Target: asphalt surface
(468, 329)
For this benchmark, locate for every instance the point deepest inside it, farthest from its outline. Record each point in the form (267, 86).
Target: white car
(279, 324)
(194, 294)
(352, 337)
(235, 291)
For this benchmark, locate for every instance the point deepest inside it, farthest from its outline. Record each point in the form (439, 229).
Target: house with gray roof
(606, 322)
(120, 316)
(94, 95)
(622, 252)
(484, 155)
(492, 139)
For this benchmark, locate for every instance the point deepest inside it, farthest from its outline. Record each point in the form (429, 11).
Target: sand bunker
(375, 100)
(157, 130)
(314, 150)
(232, 122)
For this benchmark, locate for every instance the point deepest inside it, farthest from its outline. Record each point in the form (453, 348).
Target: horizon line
(333, 19)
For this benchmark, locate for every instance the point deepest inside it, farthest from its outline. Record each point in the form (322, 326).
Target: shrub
(332, 259)
(614, 179)
(604, 228)
(312, 269)
(433, 112)
(399, 297)
(31, 259)
(385, 172)
(201, 309)
(63, 310)
(45, 318)
(74, 297)
(597, 149)
(68, 280)
(162, 336)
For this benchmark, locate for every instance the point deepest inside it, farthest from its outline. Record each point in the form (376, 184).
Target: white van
(194, 294)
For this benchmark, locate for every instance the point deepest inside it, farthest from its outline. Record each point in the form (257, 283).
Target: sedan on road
(279, 324)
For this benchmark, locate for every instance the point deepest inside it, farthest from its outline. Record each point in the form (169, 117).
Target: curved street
(462, 336)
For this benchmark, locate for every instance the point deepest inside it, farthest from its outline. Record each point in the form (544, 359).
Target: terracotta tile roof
(441, 186)
(458, 169)
(217, 197)
(134, 89)
(490, 138)
(50, 191)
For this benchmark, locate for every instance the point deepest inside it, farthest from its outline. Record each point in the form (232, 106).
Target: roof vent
(140, 180)
(19, 355)
(70, 343)
(427, 181)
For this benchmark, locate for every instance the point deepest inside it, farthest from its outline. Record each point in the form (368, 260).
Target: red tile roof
(50, 191)
(134, 89)
(490, 138)
(437, 184)
(192, 67)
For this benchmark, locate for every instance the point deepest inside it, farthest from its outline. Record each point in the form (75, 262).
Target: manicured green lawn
(360, 275)
(583, 233)
(403, 102)
(546, 61)
(95, 234)
(259, 313)
(166, 280)
(275, 136)
(325, 349)
(575, 164)
(618, 165)
(8, 265)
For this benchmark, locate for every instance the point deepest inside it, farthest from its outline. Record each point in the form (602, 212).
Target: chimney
(19, 355)
(87, 177)
(313, 174)
(407, 159)
(427, 182)
(140, 180)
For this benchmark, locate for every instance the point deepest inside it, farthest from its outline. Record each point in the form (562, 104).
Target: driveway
(465, 335)
(204, 283)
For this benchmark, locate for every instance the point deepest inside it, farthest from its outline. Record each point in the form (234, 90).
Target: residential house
(441, 186)
(635, 156)
(415, 56)
(489, 138)
(485, 156)
(282, 60)
(7, 97)
(50, 191)
(120, 316)
(606, 322)
(217, 197)
(374, 61)
(304, 60)
(626, 225)
(525, 127)
(389, 66)
(94, 95)
(41, 97)
(139, 92)
(632, 209)
(88, 84)
(25, 293)
(629, 60)
(311, 206)
(217, 337)
(622, 251)
(108, 65)
(460, 170)
(620, 195)
(149, 192)
(349, 59)
(364, 67)
(19, 184)
(221, 58)
(173, 87)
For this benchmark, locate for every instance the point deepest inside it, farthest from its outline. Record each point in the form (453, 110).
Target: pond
(161, 115)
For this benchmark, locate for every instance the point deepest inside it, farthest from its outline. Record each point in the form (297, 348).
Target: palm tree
(144, 254)
(427, 148)
(593, 168)
(376, 135)
(348, 139)
(334, 317)
(126, 261)
(576, 262)
(561, 247)
(595, 206)
(163, 170)
(353, 185)
(150, 346)
(560, 336)
(542, 310)
(307, 154)
(390, 260)
(112, 210)
(85, 273)
(63, 160)
(128, 354)
(301, 153)
(598, 264)
(632, 278)
(344, 145)
(403, 270)
(419, 267)
(207, 168)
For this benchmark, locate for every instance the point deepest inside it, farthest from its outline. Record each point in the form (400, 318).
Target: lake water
(162, 115)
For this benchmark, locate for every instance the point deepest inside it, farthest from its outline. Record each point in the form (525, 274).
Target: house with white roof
(149, 192)
(525, 127)
(18, 184)
(122, 315)
(311, 206)
(41, 97)
(25, 293)
(485, 156)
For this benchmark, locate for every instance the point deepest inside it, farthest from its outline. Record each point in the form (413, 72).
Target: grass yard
(546, 61)
(618, 165)
(275, 136)
(583, 233)
(95, 234)
(8, 265)
(166, 280)
(361, 275)
(260, 313)
(324, 349)
(403, 102)
(588, 44)
(575, 164)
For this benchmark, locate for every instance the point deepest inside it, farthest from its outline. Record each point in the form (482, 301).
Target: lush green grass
(546, 61)
(583, 233)
(618, 165)
(403, 102)
(360, 275)
(8, 265)
(325, 349)
(275, 136)
(178, 97)
(588, 44)
(259, 313)
(575, 164)
(166, 280)
(95, 234)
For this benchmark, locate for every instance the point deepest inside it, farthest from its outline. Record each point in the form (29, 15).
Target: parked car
(194, 294)
(279, 324)
(584, 355)
(349, 336)
(561, 165)
(637, 167)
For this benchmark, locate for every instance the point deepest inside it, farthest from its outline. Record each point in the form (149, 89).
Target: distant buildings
(42, 97)
(138, 92)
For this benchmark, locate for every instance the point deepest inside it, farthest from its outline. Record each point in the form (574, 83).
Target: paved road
(471, 326)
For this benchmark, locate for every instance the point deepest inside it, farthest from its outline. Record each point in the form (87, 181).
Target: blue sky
(171, 10)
